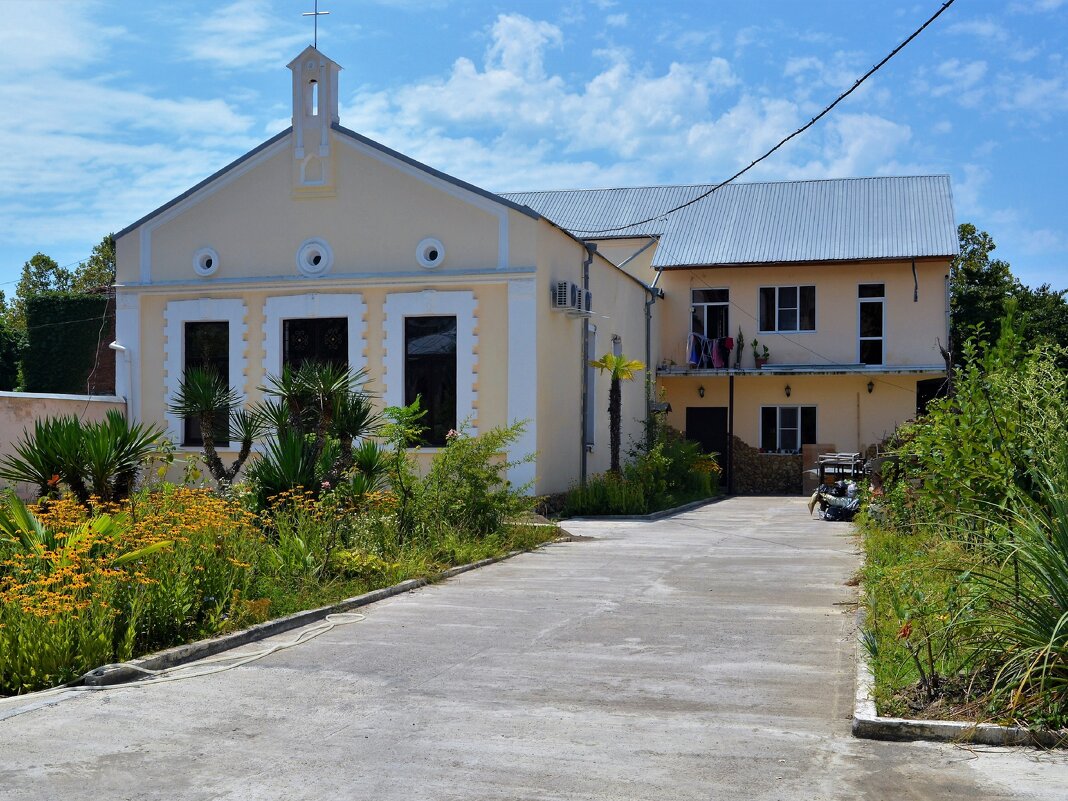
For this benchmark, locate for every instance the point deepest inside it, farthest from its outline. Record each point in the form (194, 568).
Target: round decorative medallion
(430, 253)
(314, 258)
(205, 262)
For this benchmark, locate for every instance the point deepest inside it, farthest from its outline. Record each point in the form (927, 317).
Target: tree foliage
(980, 288)
(98, 270)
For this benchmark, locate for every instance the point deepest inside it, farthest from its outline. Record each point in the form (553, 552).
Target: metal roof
(842, 219)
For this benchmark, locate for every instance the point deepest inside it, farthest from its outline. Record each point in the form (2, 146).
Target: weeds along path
(704, 656)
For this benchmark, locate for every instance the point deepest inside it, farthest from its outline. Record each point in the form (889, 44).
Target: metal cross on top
(315, 16)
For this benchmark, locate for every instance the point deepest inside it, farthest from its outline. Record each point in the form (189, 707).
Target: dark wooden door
(707, 425)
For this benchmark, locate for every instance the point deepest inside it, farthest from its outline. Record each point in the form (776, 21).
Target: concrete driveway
(704, 657)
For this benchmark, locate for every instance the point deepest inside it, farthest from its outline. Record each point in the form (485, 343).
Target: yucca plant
(100, 459)
(289, 463)
(204, 395)
(1025, 593)
(317, 412)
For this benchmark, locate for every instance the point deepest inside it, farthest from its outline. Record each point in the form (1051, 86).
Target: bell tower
(314, 111)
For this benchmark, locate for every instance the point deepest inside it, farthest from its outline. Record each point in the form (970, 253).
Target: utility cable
(781, 142)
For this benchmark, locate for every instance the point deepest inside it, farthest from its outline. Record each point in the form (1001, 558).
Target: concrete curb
(201, 649)
(868, 725)
(686, 507)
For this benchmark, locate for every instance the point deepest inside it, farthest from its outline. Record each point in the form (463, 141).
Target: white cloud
(518, 45)
(616, 20)
(856, 144)
(63, 33)
(983, 28)
(244, 35)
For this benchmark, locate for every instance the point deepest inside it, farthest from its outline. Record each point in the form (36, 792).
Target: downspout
(654, 293)
(591, 248)
(730, 434)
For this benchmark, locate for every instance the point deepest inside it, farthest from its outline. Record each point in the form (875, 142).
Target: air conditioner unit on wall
(571, 298)
(564, 293)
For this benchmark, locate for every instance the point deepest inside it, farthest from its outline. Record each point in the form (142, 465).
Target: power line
(781, 142)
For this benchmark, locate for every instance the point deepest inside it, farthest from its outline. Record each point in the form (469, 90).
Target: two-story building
(843, 282)
(323, 244)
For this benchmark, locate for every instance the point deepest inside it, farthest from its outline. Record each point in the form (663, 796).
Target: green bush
(966, 570)
(63, 334)
(100, 460)
(665, 471)
(467, 490)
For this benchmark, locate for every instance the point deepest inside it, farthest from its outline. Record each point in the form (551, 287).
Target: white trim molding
(209, 189)
(301, 307)
(203, 310)
(127, 347)
(430, 253)
(427, 303)
(523, 376)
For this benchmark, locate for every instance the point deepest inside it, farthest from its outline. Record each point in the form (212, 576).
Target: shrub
(467, 490)
(100, 460)
(63, 334)
(664, 471)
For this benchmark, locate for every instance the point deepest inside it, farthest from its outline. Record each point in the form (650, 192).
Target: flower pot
(760, 362)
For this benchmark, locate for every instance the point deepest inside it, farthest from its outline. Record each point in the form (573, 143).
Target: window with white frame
(427, 326)
(325, 327)
(870, 318)
(206, 332)
(430, 373)
(709, 310)
(207, 347)
(785, 309)
(784, 429)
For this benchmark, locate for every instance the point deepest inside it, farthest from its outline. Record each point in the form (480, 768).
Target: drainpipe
(591, 248)
(654, 293)
(730, 434)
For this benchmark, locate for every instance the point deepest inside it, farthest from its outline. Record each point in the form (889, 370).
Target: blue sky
(111, 109)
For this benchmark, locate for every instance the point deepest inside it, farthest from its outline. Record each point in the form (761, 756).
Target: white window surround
(175, 316)
(300, 307)
(427, 303)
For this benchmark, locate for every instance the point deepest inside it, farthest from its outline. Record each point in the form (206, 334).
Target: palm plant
(318, 411)
(99, 459)
(205, 396)
(1025, 589)
(620, 369)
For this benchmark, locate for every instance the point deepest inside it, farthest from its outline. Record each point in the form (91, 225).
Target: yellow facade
(320, 222)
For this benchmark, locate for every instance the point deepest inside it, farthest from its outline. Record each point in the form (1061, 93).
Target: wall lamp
(701, 391)
(871, 386)
(788, 390)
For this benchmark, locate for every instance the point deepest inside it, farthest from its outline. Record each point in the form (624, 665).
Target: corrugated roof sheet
(841, 219)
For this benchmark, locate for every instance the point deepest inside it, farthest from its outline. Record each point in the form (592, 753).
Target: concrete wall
(19, 411)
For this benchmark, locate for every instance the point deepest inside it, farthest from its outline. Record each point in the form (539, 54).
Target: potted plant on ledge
(760, 358)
